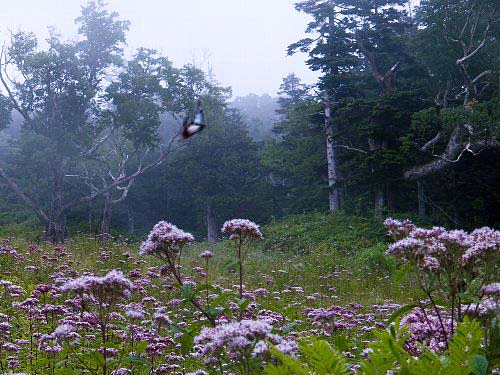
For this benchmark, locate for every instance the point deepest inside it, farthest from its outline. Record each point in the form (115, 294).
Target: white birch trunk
(333, 188)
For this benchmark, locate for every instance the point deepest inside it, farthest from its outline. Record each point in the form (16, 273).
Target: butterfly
(191, 126)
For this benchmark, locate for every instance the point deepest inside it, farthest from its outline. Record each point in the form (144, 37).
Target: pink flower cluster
(337, 318)
(206, 254)
(399, 229)
(491, 289)
(430, 248)
(484, 241)
(238, 340)
(113, 285)
(165, 235)
(241, 228)
(62, 334)
(425, 328)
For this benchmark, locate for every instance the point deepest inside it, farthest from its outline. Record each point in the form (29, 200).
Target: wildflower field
(314, 294)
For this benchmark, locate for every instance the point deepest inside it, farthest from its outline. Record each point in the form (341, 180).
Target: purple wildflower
(206, 254)
(112, 286)
(165, 234)
(426, 328)
(237, 340)
(491, 289)
(241, 228)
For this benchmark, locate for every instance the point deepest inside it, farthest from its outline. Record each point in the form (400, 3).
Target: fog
(243, 42)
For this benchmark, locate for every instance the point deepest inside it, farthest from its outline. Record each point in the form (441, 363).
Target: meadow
(314, 294)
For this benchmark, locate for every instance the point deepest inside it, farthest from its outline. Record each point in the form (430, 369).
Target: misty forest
(152, 222)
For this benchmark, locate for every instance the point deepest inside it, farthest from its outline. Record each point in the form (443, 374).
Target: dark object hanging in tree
(191, 126)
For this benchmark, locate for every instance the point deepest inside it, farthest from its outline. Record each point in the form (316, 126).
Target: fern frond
(317, 357)
(464, 346)
(323, 359)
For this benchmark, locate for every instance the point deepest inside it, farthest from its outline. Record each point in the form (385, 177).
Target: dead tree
(460, 141)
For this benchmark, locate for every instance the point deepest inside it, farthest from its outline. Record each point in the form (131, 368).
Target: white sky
(243, 41)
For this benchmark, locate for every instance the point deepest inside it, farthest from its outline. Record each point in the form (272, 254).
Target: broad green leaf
(290, 327)
(136, 360)
(187, 341)
(242, 303)
(479, 365)
(340, 343)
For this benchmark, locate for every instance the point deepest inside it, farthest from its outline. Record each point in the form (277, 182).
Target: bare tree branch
(94, 148)
(370, 56)
(30, 201)
(453, 152)
(465, 149)
(124, 194)
(478, 48)
(386, 80)
(467, 19)
(431, 143)
(350, 148)
(3, 63)
(480, 75)
(453, 148)
(124, 179)
(470, 51)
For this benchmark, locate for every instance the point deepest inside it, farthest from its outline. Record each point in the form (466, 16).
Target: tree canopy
(403, 118)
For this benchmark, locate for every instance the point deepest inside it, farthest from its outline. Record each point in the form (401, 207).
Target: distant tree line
(404, 118)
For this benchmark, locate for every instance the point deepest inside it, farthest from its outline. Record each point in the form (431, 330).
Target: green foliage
(375, 258)
(5, 114)
(387, 354)
(463, 357)
(316, 357)
(302, 233)
(466, 349)
(137, 96)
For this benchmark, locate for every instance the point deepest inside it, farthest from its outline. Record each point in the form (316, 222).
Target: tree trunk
(422, 208)
(379, 187)
(455, 203)
(212, 233)
(131, 222)
(90, 219)
(390, 198)
(379, 206)
(56, 225)
(106, 216)
(331, 158)
(56, 228)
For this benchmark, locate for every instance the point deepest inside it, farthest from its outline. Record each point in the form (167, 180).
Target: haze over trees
(407, 105)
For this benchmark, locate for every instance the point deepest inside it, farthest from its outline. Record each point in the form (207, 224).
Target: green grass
(304, 250)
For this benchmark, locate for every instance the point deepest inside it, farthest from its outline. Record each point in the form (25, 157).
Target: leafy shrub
(375, 259)
(345, 234)
(387, 355)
